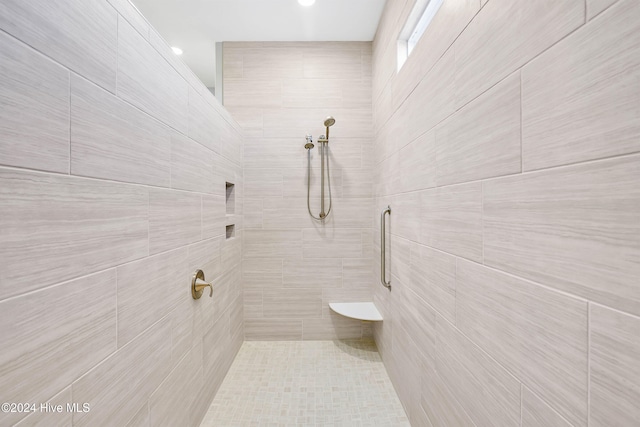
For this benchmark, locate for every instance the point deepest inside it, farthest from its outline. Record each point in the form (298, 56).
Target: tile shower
(507, 145)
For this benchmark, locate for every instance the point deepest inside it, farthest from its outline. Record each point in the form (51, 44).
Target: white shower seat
(357, 310)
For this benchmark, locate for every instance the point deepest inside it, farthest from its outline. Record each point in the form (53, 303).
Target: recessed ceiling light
(176, 50)
(306, 2)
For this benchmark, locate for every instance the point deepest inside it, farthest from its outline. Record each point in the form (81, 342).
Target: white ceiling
(196, 25)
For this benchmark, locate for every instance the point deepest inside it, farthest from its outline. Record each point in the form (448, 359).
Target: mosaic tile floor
(306, 383)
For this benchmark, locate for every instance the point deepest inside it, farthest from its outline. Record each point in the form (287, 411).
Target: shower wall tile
(247, 93)
(516, 322)
(262, 272)
(484, 56)
(292, 304)
(536, 413)
(446, 26)
(38, 236)
(272, 243)
(148, 290)
(51, 419)
(481, 140)
(45, 350)
(214, 216)
(85, 32)
(133, 17)
(164, 93)
(451, 220)
(35, 109)
(417, 163)
(615, 367)
(440, 405)
(570, 115)
(110, 139)
(273, 329)
(335, 327)
(340, 243)
(117, 387)
(274, 153)
(263, 183)
(489, 394)
(252, 303)
(141, 418)
(175, 219)
(191, 165)
(594, 7)
(567, 228)
(201, 128)
(312, 273)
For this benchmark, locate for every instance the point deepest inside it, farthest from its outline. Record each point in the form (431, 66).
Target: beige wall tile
(536, 333)
(579, 98)
(536, 413)
(327, 243)
(252, 303)
(292, 304)
(262, 272)
(35, 109)
(253, 93)
(440, 405)
(615, 367)
(46, 418)
(201, 128)
(263, 183)
(573, 228)
(45, 350)
(272, 152)
(141, 418)
(594, 7)
(148, 290)
(417, 163)
(313, 272)
(163, 93)
(191, 165)
(39, 234)
(432, 278)
(133, 17)
(85, 34)
(357, 273)
(452, 220)
(338, 62)
(335, 327)
(485, 56)
(175, 219)
(173, 401)
(116, 388)
(272, 243)
(112, 140)
(272, 329)
(482, 139)
(214, 219)
(485, 390)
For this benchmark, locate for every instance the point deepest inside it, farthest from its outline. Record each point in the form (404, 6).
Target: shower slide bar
(383, 248)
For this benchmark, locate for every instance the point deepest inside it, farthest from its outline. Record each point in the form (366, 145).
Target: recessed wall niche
(230, 198)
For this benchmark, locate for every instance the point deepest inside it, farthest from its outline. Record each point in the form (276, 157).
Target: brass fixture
(324, 165)
(198, 284)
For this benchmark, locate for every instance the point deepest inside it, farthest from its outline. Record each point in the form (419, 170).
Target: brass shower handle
(198, 284)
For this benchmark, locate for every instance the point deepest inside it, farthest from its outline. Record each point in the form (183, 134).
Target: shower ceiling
(196, 25)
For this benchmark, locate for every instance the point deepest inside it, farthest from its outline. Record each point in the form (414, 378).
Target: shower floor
(306, 383)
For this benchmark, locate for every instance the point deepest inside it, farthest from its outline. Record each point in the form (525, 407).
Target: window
(418, 21)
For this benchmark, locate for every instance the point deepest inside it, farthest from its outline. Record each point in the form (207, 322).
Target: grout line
(521, 129)
(521, 400)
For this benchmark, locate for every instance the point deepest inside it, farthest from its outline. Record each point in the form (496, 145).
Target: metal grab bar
(383, 249)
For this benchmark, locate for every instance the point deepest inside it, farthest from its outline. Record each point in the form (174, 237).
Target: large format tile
(191, 165)
(332, 243)
(34, 113)
(451, 220)
(536, 413)
(313, 272)
(292, 303)
(440, 405)
(573, 228)
(162, 93)
(594, 7)
(175, 219)
(58, 228)
(116, 388)
(536, 333)
(205, 122)
(484, 56)
(85, 34)
(262, 272)
(488, 394)
(615, 368)
(148, 290)
(481, 140)
(51, 419)
(580, 98)
(110, 139)
(51, 337)
(273, 329)
(272, 243)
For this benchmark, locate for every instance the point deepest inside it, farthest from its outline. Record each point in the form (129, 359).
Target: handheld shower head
(329, 121)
